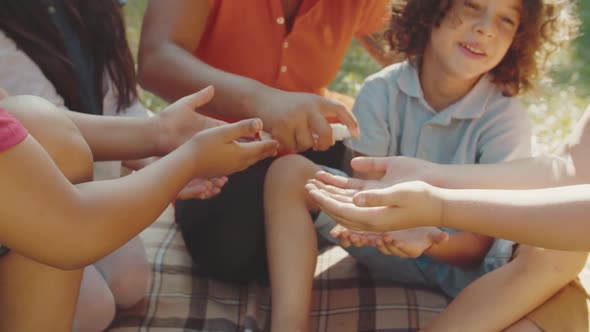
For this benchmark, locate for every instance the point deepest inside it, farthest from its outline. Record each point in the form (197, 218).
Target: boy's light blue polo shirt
(482, 127)
(395, 119)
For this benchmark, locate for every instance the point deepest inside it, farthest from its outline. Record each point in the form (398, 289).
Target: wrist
(159, 144)
(435, 175)
(253, 99)
(192, 152)
(439, 206)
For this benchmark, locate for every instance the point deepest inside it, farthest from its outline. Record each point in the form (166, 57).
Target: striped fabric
(345, 298)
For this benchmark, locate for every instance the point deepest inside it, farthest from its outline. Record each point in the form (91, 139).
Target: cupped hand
(219, 151)
(179, 121)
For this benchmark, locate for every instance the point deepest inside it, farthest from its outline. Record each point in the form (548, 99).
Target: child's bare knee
(56, 133)
(288, 176)
(131, 287)
(561, 265)
(291, 170)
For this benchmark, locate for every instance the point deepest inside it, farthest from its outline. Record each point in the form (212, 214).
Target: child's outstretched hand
(410, 243)
(202, 189)
(349, 238)
(178, 122)
(407, 243)
(217, 151)
(394, 170)
(402, 206)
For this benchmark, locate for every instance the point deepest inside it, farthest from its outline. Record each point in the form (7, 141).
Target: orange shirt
(249, 38)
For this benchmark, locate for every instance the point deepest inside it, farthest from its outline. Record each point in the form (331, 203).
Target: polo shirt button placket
(283, 69)
(281, 20)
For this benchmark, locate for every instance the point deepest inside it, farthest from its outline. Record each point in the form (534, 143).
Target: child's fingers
(337, 110)
(332, 189)
(440, 237)
(337, 197)
(213, 191)
(336, 231)
(219, 181)
(326, 203)
(198, 98)
(253, 151)
(195, 189)
(311, 186)
(367, 238)
(383, 248)
(244, 128)
(344, 238)
(408, 250)
(370, 164)
(356, 239)
(344, 241)
(345, 214)
(395, 248)
(339, 181)
(389, 196)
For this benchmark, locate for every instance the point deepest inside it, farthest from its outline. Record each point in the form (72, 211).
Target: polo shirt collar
(471, 106)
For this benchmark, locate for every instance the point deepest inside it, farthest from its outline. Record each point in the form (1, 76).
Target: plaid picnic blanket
(345, 297)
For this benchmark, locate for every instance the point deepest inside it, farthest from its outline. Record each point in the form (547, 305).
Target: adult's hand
(300, 121)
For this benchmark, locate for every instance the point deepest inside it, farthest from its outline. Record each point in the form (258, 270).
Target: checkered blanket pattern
(345, 297)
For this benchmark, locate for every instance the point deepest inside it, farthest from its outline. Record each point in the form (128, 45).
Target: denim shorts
(422, 271)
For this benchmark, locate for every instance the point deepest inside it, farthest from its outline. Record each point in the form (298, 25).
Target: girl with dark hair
(56, 221)
(74, 53)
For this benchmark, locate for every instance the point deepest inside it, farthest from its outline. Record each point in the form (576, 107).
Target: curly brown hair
(545, 26)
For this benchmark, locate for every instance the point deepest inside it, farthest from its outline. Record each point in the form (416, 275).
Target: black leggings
(225, 234)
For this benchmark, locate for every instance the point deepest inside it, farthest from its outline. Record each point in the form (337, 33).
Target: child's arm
(117, 138)
(113, 137)
(48, 219)
(462, 249)
(554, 218)
(157, 135)
(570, 166)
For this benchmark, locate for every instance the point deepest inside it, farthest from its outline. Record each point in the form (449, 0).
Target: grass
(554, 109)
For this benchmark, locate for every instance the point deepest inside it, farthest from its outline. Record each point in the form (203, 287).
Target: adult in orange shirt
(270, 59)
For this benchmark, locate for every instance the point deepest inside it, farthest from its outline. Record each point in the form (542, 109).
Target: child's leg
(291, 241)
(96, 306)
(565, 311)
(504, 296)
(126, 271)
(34, 296)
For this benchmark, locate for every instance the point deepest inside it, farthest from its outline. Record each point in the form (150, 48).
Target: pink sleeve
(12, 132)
